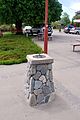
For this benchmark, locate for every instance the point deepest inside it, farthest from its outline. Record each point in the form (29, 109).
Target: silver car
(75, 30)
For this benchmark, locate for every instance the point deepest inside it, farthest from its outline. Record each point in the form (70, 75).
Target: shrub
(5, 27)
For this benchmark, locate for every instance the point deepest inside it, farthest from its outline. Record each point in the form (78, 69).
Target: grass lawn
(14, 48)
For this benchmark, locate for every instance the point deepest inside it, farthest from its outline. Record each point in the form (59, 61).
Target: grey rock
(40, 98)
(28, 81)
(47, 98)
(38, 91)
(46, 90)
(28, 77)
(27, 94)
(43, 85)
(27, 86)
(52, 87)
(39, 67)
(32, 100)
(32, 84)
(49, 66)
(28, 65)
(44, 70)
(42, 78)
(49, 75)
(29, 72)
(38, 84)
(37, 75)
(33, 70)
(48, 83)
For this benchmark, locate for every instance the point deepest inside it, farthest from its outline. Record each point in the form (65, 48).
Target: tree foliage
(65, 19)
(77, 15)
(56, 24)
(29, 11)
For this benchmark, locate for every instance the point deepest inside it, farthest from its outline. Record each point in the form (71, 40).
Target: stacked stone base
(39, 84)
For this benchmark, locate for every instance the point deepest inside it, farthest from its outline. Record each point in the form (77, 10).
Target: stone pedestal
(39, 82)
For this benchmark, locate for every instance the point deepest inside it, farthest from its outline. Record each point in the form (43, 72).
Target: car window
(73, 29)
(77, 28)
(70, 27)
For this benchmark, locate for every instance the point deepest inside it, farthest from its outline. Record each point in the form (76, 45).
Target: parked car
(50, 30)
(68, 28)
(27, 30)
(75, 30)
(35, 30)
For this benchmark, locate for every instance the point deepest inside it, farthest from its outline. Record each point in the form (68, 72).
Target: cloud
(69, 11)
(75, 6)
(70, 7)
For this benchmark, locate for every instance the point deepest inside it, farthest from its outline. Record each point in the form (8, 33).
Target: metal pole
(46, 28)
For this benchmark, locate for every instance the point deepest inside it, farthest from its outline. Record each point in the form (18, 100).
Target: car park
(75, 30)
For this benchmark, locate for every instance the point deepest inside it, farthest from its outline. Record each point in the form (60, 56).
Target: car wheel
(68, 31)
(31, 32)
(38, 32)
(77, 33)
(49, 34)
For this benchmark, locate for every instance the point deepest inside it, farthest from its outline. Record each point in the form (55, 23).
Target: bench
(74, 45)
(41, 37)
(50, 37)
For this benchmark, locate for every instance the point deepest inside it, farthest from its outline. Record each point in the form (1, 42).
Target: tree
(56, 24)
(30, 11)
(65, 19)
(77, 15)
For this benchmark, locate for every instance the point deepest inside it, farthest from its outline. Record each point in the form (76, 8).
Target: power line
(68, 8)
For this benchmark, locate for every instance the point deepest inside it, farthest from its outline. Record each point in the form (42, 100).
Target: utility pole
(46, 28)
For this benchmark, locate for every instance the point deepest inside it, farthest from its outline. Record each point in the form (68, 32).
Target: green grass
(14, 48)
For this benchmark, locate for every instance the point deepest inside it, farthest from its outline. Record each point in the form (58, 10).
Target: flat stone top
(39, 58)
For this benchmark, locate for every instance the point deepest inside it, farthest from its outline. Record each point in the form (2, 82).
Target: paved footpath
(66, 72)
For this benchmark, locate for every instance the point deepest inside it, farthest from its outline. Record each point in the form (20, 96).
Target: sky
(70, 6)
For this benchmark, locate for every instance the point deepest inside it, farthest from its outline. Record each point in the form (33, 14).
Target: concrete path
(66, 72)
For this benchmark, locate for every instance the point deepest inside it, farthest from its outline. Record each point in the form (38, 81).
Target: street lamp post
(46, 28)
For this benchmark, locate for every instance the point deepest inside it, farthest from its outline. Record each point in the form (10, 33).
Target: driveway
(66, 70)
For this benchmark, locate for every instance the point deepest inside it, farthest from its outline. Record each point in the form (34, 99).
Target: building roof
(77, 20)
(78, 12)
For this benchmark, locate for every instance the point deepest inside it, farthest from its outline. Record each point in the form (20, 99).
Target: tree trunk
(19, 27)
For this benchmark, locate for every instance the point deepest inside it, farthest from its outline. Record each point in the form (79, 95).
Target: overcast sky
(70, 6)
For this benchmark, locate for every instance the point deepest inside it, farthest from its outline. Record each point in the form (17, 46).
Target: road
(66, 67)
(66, 74)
